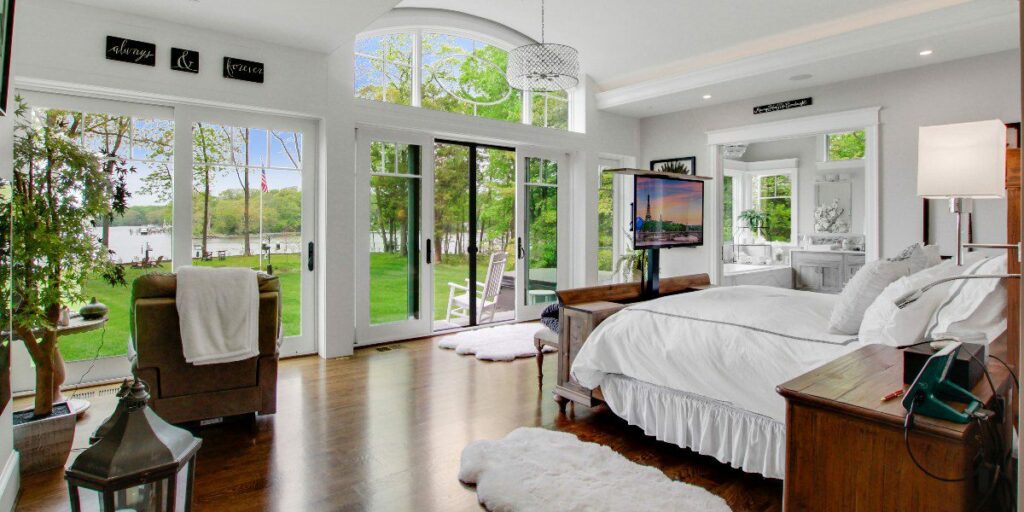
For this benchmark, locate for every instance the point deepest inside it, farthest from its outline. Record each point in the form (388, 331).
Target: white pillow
(889, 325)
(974, 305)
(919, 257)
(861, 291)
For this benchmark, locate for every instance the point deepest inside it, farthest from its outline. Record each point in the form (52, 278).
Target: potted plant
(631, 265)
(756, 221)
(60, 192)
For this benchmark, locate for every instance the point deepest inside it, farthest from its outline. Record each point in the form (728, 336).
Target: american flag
(263, 181)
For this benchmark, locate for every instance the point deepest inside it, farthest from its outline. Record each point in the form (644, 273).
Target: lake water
(130, 245)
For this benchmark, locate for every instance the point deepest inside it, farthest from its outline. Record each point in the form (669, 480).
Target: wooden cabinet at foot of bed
(845, 448)
(583, 309)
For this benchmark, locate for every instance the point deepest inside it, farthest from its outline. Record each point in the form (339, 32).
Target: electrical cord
(984, 426)
(92, 364)
(1016, 383)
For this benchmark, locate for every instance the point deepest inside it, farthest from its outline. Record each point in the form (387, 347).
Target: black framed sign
(241, 69)
(184, 60)
(783, 105)
(131, 51)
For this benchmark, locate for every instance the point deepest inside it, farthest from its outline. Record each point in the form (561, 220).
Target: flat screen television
(669, 212)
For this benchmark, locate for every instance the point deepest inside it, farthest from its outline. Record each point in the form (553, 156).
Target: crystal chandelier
(543, 67)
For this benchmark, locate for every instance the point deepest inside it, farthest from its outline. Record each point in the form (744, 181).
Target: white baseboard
(10, 481)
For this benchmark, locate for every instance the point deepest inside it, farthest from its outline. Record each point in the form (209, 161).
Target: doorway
(474, 239)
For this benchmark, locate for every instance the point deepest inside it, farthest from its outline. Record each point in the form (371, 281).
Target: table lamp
(962, 161)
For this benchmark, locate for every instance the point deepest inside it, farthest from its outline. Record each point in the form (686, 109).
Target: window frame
(417, 34)
(743, 191)
(824, 153)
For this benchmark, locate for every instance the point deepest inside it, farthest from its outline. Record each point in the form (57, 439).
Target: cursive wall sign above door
(240, 69)
(131, 51)
(184, 60)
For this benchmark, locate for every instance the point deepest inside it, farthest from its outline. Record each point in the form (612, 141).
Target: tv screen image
(669, 212)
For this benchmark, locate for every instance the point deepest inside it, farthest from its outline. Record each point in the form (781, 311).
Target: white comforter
(732, 344)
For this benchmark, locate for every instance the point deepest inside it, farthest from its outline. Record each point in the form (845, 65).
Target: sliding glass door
(541, 244)
(204, 187)
(394, 212)
(474, 234)
(253, 207)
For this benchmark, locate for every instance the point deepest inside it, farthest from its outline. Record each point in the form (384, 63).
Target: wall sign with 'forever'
(128, 50)
(184, 60)
(240, 69)
(783, 105)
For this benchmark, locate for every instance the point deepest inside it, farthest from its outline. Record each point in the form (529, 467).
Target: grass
(388, 303)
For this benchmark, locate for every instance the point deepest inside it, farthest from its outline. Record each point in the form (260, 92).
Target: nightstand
(845, 448)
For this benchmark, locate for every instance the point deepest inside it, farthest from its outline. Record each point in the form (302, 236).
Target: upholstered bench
(543, 338)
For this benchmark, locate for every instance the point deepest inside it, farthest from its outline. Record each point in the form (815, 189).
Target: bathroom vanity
(824, 271)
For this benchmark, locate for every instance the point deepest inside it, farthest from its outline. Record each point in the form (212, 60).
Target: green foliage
(727, 209)
(846, 146)
(605, 221)
(60, 191)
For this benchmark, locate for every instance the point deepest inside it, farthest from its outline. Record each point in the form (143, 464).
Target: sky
(671, 200)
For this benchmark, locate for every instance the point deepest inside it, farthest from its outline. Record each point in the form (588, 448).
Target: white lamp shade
(962, 160)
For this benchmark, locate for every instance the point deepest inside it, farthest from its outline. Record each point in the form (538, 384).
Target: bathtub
(780, 276)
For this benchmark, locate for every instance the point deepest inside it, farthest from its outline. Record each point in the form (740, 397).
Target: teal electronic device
(931, 388)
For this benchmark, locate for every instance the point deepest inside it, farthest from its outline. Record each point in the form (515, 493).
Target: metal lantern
(141, 463)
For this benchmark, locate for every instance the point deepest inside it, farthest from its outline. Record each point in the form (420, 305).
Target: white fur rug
(501, 343)
(533, 469)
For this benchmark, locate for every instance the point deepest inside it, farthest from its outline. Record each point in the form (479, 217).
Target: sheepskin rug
(534, 469)
(501, 343)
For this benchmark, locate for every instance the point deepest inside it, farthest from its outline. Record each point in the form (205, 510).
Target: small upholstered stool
(543, 338)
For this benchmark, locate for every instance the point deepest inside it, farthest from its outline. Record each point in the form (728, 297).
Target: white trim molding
(10, 480)
(867, 119)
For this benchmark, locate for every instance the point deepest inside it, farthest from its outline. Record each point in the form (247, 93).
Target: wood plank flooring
(384, 429)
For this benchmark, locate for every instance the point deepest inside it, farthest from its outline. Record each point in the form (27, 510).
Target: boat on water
(144, 230)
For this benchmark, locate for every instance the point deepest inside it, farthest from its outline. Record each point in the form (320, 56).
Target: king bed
(699, 369)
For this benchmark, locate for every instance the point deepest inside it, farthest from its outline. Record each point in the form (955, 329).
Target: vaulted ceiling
(655, 56)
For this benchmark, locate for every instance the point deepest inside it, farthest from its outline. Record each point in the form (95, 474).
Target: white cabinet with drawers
(824, 271)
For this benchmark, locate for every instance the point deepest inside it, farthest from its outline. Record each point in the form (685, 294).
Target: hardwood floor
(384, 429)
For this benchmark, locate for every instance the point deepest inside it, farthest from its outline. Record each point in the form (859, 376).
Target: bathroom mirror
(833, 206)
(6, 294)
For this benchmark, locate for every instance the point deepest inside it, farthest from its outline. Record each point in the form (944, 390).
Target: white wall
(984, 87)
(806, 150)
(9, 470)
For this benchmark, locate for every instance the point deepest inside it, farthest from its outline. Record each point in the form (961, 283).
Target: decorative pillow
(889, 325)
(917, 256)
(549, 317)
(974, 305)
(861, 291)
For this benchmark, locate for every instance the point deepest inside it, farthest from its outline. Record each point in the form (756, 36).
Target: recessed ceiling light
(802, 76)
(925, 53)
(706, 96)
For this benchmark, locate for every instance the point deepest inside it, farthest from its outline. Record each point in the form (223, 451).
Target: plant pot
(44, 443)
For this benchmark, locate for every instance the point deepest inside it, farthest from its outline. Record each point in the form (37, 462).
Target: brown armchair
(184, 392)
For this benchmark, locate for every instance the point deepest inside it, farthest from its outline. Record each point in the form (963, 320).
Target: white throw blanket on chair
(218, 314)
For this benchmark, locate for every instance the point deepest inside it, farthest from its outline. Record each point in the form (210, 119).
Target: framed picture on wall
(685, 165)
(6, 39)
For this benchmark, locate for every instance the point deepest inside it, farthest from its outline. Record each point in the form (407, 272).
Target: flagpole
(263, 175)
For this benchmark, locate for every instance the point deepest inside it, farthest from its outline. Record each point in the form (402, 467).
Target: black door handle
(520, 252)
(309, 257)
(429, 252)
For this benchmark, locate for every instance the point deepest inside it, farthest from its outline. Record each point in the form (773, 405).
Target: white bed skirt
(740, 438)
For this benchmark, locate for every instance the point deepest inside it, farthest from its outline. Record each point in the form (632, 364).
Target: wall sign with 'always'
(240, 69)
(128, 50)
(783, 105)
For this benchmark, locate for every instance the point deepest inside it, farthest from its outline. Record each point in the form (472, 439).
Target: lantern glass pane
(88, 499)
(181, 487)
(148, 497)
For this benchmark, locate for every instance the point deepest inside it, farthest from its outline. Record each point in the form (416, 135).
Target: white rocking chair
(486, 294)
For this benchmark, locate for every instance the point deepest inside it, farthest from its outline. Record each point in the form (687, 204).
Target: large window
(140, 150)
(728, 214)
(770, 192)
(456, 74)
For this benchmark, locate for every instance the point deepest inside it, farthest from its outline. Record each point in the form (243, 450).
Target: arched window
(450, 73)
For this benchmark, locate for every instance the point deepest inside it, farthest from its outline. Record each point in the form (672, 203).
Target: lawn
(388, 301)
